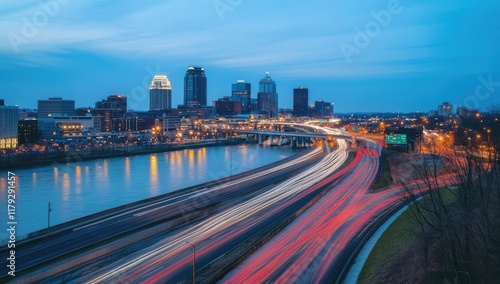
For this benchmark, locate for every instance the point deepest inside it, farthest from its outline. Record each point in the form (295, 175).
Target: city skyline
(370, 56)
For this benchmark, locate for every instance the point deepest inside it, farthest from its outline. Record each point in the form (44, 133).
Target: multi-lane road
(169, 261)
(299, 221)
(302, 252)
(38, 254)
(316, 247)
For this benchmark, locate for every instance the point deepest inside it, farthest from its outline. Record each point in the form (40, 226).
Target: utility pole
(48, 219)
(194, 261)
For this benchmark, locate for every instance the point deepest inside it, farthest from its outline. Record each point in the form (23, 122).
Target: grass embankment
(385, 179)
(393, 240)
(392, 250)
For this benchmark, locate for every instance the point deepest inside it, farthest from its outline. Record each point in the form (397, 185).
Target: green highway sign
(396, 139)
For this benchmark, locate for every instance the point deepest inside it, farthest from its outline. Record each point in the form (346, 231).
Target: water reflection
(78, 179)
(56, 175)
(127, 169)
(153, 170)
(33, 178)
(83, 188)
(66, 190)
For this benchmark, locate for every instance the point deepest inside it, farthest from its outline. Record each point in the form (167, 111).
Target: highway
(182, 206)
(317, 246)
(296, 222)
(169, 261)
(300, 253)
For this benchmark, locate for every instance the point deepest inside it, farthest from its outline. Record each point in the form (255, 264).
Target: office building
(115, 103)
(28, 131)
(445, 110)
(55, 106)
(267, 97)
(195, 87)
(226, 106)
(300, 101)
(58, 126)
(114, 107)
(241, 92)
(322, 109)
(160, 93)
(9, 121)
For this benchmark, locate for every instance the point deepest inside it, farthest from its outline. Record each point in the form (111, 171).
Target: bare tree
(458, 227)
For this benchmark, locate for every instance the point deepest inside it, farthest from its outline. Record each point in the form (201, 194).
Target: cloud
(295, 36)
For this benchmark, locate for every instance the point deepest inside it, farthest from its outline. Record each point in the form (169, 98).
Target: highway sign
(396, 139)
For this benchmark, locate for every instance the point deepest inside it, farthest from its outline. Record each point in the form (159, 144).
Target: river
(82, 188)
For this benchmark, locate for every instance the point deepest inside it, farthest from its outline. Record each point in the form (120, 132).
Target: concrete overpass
(297, 139)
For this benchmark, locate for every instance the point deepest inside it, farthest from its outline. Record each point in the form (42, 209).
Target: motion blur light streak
(312, 248)
(281, 258)
(326, 229)
(212, 234)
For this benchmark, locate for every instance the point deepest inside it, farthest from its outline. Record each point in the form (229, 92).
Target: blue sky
(377, 55)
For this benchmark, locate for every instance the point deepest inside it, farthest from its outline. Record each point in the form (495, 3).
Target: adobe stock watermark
(485, 88)
(31, 26)
(140, 93)
(223, 6)
(372, 29)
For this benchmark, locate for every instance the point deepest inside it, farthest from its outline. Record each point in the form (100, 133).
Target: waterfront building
(226, 106)
(28, 131)
(55, 106)
(9, 123)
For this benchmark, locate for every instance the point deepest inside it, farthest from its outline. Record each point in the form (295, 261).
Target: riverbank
(110, 211)
(19, 161)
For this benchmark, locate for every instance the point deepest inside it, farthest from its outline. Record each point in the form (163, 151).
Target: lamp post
(48, 219)
(194, 261)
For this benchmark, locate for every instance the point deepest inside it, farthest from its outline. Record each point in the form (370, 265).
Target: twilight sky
(365, 55)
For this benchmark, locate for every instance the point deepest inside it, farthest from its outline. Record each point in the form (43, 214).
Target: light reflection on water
(79, 189)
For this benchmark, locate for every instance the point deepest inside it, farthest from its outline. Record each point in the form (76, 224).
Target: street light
(194, 261)
(48, 219)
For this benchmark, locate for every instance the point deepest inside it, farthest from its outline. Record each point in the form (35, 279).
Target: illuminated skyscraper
(9, 122)
(160, 93)
(267, 97)
(195, 87)
(241, 92)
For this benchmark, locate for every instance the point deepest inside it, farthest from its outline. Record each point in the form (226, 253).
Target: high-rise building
(300, 101)
(28, 131)
(160, 93)
(241, 92)
(267, 97)
(195, 87)
(322, 109)
(55, 106)
(115, 106)
(9, 123)
(115, 103)
(445, 110)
